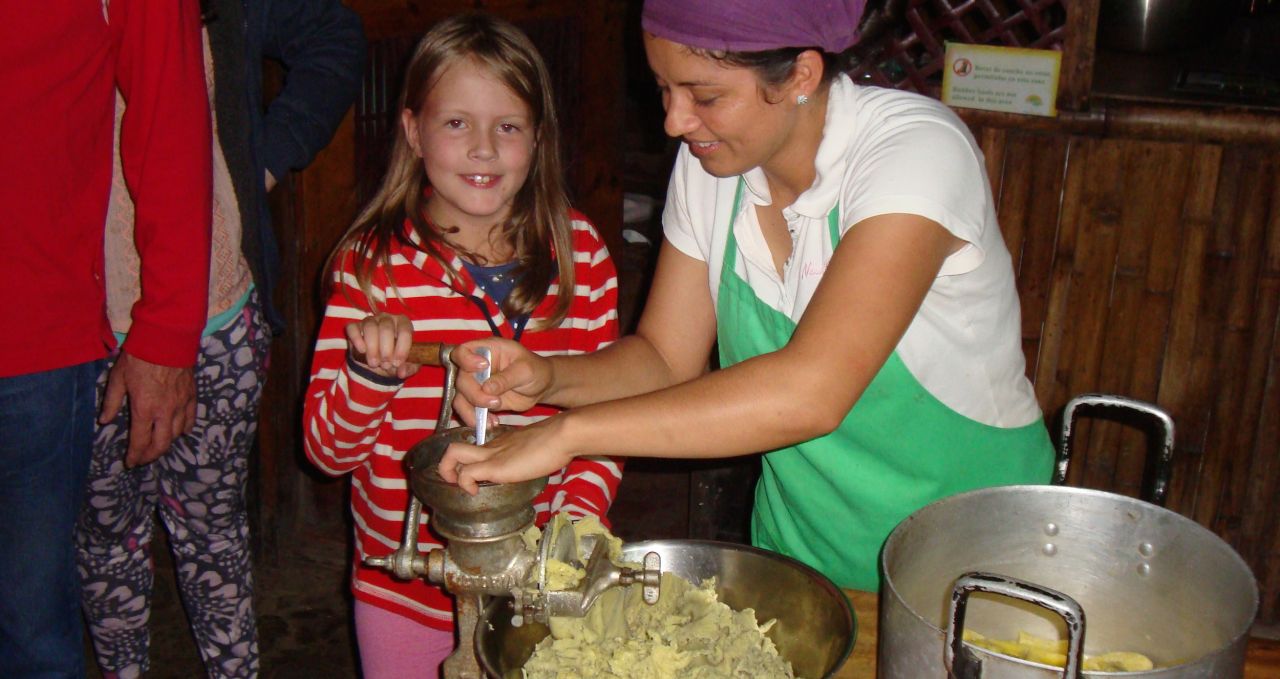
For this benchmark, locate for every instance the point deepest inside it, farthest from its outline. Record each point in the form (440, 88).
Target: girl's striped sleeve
(589, 484)
(346, 404)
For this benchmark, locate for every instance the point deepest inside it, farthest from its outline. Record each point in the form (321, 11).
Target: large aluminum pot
(815, 628)
(1146, 579)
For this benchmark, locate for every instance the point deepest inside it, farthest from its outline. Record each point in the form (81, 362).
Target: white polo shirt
(883, 151)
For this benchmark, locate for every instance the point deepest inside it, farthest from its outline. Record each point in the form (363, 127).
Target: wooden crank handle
(423, 353)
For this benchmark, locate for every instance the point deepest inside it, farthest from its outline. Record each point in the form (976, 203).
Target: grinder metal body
(486, 552)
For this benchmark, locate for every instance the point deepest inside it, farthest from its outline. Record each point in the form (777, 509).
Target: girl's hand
(381, 343)
(518, 381)
(521, 454)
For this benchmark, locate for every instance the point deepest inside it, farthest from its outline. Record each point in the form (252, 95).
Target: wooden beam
(1078, 54)
(1151, 122)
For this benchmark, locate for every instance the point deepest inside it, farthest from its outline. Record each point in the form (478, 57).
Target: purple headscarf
(755, 25)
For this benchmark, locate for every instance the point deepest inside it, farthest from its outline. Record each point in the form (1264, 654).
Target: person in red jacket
(60, 65)
(492, 248)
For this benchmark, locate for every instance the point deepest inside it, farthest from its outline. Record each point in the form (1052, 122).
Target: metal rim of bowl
(814, 575)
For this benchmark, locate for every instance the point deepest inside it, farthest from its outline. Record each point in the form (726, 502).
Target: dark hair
(773, 67)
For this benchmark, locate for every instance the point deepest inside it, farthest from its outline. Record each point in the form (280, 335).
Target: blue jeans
(46, 434)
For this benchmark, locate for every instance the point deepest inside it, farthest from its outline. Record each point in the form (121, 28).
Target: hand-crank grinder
(486, 552)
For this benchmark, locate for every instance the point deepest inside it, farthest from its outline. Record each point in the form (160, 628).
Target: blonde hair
(538, 229)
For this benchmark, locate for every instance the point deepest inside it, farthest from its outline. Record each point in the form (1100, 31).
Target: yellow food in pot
(688, 634)
(1054, 652)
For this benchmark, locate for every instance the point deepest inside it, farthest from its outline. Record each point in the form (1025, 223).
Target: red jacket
(60, 65)
(358, 423)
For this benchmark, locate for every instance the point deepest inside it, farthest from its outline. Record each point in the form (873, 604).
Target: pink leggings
(395, 647)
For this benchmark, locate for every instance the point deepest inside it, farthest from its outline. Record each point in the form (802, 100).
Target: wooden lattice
(911, 57)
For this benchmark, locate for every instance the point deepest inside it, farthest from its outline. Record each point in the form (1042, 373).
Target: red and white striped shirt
(358, 423)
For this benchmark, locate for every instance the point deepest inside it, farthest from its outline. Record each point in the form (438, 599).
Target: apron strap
(731, 244)
(833, 225)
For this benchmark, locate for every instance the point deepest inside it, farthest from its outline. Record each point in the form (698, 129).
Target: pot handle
(963, 663)
(1164, 462)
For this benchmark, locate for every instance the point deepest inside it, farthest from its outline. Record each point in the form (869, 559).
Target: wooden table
(1262, 659)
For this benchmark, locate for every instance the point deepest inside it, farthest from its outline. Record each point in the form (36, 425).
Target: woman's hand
(519, 378)
(381, 343)
(518, 455)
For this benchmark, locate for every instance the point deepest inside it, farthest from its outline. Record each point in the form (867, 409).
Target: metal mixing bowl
(815, 628)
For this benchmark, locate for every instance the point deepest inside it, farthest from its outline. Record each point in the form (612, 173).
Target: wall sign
(1011, 79)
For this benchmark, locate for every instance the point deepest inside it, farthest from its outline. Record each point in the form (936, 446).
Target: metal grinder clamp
(486, 552)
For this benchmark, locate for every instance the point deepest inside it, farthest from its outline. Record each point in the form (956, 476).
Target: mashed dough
(1050, 652)
(562, 576)
(689, 633)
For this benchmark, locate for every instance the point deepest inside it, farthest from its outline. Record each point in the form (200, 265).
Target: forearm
(343, 416)
(166, 158)
(322, 46)
(628, 367)
(670, 346)
(805, 388)
(344, 405)
(868, 296)
(757, 405)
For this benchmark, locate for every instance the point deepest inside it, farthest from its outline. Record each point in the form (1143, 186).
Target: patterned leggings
(198, 487)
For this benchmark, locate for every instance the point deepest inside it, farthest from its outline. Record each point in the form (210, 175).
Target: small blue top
(496, 281)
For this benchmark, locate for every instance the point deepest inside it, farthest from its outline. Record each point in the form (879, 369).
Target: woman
(840, 243)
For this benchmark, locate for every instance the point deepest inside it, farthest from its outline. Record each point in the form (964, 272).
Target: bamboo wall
(1152, 270)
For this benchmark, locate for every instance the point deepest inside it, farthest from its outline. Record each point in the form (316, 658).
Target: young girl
(470, 235)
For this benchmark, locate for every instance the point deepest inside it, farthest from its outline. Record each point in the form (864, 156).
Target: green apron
(832, 501)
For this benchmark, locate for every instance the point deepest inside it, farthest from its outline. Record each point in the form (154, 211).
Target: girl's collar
(457, 277)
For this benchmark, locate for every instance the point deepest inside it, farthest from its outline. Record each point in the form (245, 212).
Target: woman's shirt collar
(830, 163)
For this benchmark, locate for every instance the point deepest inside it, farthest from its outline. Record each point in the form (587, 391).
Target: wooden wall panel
(1151, 269)
(1260, 529)
(1185, 367)
(312, 209)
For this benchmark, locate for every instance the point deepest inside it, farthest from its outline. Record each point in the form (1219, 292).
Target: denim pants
(46, 433)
